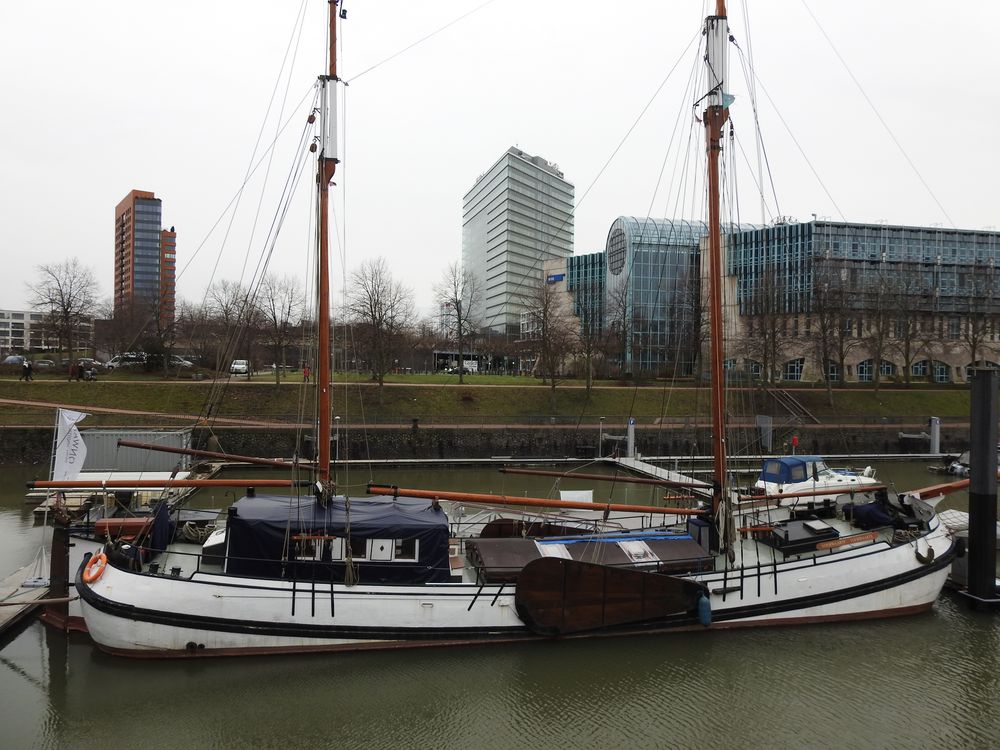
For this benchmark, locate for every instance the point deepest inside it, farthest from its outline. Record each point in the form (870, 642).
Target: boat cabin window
(406, 550)
(359, 548)
(797, 473)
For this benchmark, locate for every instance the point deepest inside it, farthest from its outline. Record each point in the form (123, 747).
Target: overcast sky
(105, 96)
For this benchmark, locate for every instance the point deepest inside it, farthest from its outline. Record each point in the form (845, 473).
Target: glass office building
(145, 258)
(937, 287)
(652, 296)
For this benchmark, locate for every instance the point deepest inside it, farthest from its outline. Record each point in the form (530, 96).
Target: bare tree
(458, 295)
(620, 325)
(549, 331)
(280, 306)
(981, 316)
(228, 303)
(591, 334)
(879, 319)
(381, 309)
(66, 293)
(909, 339)
(768, 316)
(826, 315)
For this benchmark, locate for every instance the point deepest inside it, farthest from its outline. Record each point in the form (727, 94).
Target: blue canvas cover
(788, 469)
(260, 531)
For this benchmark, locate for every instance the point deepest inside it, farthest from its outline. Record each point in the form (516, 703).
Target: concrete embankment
(27, 445)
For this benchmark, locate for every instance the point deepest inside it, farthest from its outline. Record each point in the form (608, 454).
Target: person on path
(306, 372)
(26, 374)
(74, 368)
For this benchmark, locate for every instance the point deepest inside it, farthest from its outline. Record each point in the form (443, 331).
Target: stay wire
(878, 115)
(420, 41)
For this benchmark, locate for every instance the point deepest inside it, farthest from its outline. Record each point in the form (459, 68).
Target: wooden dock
(17, 600)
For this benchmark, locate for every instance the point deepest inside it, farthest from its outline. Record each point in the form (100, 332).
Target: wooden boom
(606, 478)
(111, 484)
(535, 502)
(216, 454)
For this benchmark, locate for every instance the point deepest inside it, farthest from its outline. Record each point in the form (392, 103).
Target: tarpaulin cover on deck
(260, 530)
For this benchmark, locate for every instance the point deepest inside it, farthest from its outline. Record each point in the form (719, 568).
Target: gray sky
(105, 96)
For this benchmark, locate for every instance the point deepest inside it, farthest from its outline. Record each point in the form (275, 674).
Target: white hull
(141, 614)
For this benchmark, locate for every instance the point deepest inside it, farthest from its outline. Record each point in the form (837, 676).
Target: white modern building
(516, 216)
(22, 331)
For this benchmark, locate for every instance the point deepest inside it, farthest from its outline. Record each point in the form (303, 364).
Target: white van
(239, 367)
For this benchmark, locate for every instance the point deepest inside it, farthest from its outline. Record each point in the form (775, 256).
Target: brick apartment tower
(145, 259)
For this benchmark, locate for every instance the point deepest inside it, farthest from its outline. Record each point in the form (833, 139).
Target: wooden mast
(327, 165)
(715, 116)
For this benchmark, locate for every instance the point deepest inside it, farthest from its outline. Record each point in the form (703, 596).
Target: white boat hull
(155, 615)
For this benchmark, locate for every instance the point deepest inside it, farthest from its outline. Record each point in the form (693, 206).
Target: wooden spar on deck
(942, 489)
(130, 484)
(215, 454)
(604, 478)
(535, 502)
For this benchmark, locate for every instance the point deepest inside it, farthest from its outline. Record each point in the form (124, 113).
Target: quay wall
(29, 445)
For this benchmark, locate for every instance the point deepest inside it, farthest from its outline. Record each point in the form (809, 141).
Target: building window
(793, 369)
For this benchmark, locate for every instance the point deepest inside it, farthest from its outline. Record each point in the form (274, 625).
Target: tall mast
(716, 114)
(327, 165)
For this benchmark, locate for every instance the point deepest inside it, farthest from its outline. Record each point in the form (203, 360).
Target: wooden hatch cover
(556, 596)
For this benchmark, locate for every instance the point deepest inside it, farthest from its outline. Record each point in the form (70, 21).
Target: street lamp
(600, 438)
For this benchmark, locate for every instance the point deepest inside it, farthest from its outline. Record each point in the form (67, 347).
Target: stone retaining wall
(33, 445)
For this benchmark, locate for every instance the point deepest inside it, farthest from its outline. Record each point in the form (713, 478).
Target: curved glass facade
(652, 295)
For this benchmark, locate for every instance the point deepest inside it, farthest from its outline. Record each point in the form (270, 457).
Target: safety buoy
(95, 567)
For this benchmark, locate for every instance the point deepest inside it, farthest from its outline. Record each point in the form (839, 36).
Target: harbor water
(923, 681)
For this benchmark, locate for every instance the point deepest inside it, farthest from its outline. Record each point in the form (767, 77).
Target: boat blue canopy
(276, 536)
(789, 469)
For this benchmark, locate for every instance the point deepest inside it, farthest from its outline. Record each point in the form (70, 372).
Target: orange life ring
(95, 567)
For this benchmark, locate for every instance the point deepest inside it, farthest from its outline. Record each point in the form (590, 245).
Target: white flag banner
(70, 449)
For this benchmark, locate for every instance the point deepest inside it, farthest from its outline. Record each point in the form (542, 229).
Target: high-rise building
(145, 260)
(516, 216)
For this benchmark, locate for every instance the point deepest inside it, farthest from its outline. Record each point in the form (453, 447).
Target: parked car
(44, 364)
(239, 367)
(178, 361)
(14, 359)
(129, 359)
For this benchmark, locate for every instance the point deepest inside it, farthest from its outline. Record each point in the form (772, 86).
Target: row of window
(936, 370)
(331, 549)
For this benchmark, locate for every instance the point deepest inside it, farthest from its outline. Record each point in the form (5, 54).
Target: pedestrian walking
(306, 372)
(74, 369)
(26, 374)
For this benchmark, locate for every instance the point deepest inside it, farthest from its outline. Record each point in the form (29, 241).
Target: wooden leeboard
(558, 597)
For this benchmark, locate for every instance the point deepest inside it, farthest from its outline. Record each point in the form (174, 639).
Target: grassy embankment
(484, 400)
